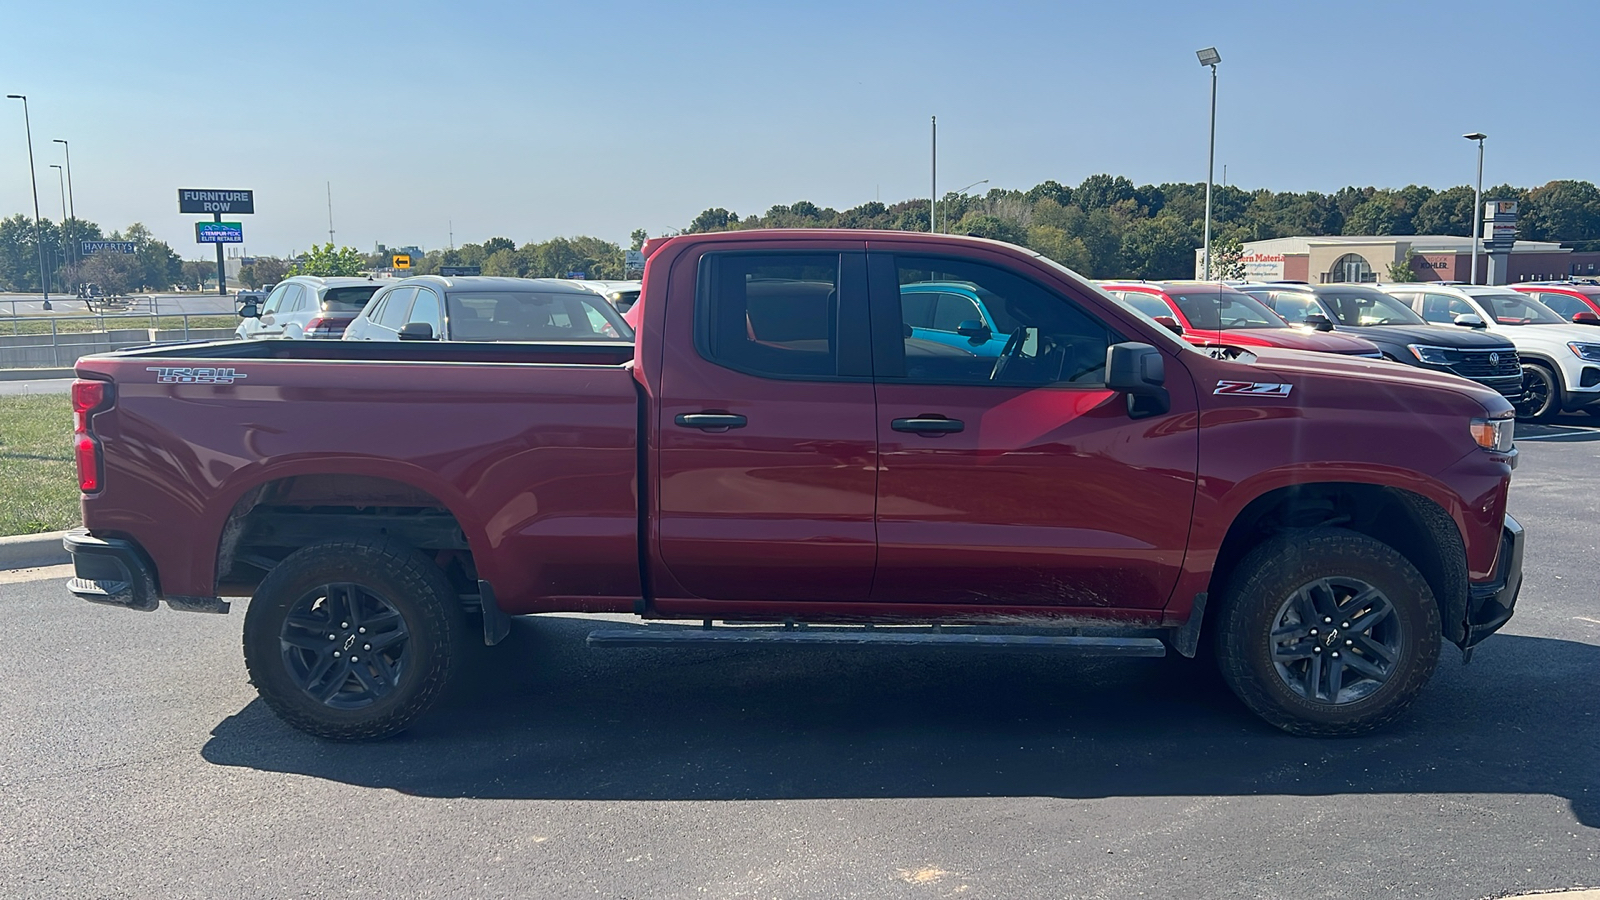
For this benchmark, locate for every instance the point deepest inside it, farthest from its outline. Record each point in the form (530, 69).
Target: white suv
(1560, 360)
(307, 306)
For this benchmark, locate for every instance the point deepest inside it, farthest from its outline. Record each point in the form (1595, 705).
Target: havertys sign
(202, 201)
(90, 248)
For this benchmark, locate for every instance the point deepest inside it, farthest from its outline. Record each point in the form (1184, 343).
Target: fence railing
(29, 342)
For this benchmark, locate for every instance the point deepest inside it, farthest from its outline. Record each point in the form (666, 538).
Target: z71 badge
(166, 375)
(1259, 388)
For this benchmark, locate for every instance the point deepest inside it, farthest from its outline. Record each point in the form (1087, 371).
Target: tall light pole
(971, 186)
(1210, 57)
(72, 204)
(66, 248)
(933, 187)
(1477, 206)
(33, 180)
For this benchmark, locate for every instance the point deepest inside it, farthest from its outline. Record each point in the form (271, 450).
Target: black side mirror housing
(250, 311)
(416, 331)
(1470, 320)
(1319, 321)
(1140, 371)
(972, 328)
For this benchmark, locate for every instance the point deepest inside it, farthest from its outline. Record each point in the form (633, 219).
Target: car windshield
(1361, 308)
(533, 316)
(1216, 310)
(1512, 308)
(348, 299)
(1149, 304)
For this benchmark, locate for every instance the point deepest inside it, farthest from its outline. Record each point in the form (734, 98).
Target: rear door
(766, 451)
(1021, 480)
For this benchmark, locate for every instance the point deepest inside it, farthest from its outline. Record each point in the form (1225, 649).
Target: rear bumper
(1490, 604)
(118, 573)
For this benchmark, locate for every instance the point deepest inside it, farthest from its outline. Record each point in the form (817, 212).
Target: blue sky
(531, 120)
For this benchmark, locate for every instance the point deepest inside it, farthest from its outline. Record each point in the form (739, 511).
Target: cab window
(770, 314)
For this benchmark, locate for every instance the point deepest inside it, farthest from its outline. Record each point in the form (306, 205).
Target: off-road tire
(1550, 383)
(1278, 569)
(411, 584)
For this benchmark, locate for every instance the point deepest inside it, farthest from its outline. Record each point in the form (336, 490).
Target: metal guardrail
(63, 339)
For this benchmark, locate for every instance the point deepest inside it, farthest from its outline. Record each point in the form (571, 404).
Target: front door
(1019, 480)
(767, 457)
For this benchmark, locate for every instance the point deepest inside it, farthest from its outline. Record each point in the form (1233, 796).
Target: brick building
(1359, 258)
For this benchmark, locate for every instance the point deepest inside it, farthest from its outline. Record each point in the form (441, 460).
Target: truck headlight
(1590, 352)
(1437, 356)
(1495, 435)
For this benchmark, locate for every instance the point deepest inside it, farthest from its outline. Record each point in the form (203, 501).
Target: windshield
(533, 316)
(1512, 308)
(1149, 304)
(348, 299)
(1361, 308)
(1217, 310)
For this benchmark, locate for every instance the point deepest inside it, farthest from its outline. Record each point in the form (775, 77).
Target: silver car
(484, 308)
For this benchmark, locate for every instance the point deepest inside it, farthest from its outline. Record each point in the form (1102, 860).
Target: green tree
(1226, 259)
(1055, 243)
(325, 261)
(1402, 271)
(638, 237)
(717, 219)
(1560, 211)
(263, 270)
(1159, 248)
(1372, 216)
(993, 227)
(496, 244)
(1447, 212)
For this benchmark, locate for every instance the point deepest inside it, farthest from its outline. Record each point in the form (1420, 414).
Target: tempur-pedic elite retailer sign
(205, 202)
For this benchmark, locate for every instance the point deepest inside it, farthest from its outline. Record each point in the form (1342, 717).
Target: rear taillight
(326, 328)
(88, 398)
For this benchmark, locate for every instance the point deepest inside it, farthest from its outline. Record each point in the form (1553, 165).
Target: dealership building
(1358, 258)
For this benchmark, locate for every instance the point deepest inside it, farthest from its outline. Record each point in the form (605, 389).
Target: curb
(25, 551)
(35, 374)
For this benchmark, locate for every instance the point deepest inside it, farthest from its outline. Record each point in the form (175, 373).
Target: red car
(1212, 314)
(778, 445)
(1575, 300)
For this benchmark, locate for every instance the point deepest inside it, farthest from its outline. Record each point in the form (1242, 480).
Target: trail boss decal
(166, 375)
(1260, 388)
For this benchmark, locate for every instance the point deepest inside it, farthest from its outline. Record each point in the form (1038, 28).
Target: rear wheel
(1541, 393)
(353, 640)
(1327, 632)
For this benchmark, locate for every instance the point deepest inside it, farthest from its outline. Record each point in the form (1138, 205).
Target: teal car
(951, 313)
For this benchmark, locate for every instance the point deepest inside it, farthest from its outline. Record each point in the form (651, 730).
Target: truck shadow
(544, 717)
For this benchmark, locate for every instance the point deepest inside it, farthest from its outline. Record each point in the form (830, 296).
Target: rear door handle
(709, 421)
(929, 425)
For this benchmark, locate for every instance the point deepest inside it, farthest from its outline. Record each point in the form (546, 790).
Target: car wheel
(1541, 394)
(1326, 632)
(353, 640)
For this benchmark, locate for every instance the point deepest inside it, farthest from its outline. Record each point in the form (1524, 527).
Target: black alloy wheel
(344, 645)
(1336, 640)
(1541, 395)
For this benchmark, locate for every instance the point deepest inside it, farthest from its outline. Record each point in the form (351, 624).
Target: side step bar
(682, 636)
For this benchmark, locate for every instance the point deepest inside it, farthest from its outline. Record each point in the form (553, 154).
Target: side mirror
(250, 311)
(1586, 318)
(1470, 320)
(1170, 324)
(1319, 321)
(972, 328)
(1140, 371)
(416, 331)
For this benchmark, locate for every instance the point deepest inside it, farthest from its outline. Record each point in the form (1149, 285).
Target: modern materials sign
(218, 233)
(192, 200)
(92, 247)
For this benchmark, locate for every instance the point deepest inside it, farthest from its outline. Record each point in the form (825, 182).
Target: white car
(486, 308)
(1560, 360)
(622, 294)
(306, 306)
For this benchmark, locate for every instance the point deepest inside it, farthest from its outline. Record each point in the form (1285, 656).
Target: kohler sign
(202, 201)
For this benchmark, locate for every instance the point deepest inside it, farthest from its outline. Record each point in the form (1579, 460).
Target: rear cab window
(778, 314)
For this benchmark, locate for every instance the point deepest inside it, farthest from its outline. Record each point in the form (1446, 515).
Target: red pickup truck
(778, 447)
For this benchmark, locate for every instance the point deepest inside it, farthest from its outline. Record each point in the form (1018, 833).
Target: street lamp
(66, 246)
(1210, 57)
(33, 180)
(971, 186)
(933, 186)
(72, 204)
(1477, 206)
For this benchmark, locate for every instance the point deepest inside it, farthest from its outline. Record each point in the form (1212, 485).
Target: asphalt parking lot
(137, 762)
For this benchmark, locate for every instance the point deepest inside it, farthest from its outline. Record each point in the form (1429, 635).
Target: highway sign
(92, 247)
(455, 271)
(402, 260)
(633, 259)
(218, 233)
(191, 200)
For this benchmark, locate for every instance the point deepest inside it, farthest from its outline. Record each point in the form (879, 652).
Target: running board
(681, 636)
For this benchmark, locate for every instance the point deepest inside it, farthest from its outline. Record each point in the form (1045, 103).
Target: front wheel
(1541, 394)
(1326, 632)
(353, 640)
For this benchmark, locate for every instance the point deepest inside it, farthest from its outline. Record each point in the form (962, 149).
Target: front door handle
(929, 425)
(707, 421)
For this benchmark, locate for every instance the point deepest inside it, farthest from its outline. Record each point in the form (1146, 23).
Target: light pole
(33, 181)
(72, 204)
(971, 186)
(1210, 57)
(1477, 206)
(66, 248)
(933, 187)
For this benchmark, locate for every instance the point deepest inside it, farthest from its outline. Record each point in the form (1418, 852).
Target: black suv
(1399, 332)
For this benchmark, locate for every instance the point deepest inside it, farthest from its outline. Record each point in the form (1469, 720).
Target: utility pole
(33, 182)
(1477, 206)
(330, 213)
(1210, 57)
(66, 245)
(933, 187)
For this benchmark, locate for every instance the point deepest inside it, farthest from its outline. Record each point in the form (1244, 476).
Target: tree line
(1108, 227)
(153, 266)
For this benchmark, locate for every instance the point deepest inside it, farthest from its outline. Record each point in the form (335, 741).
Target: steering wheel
(1010, 351)
(1236, 323)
